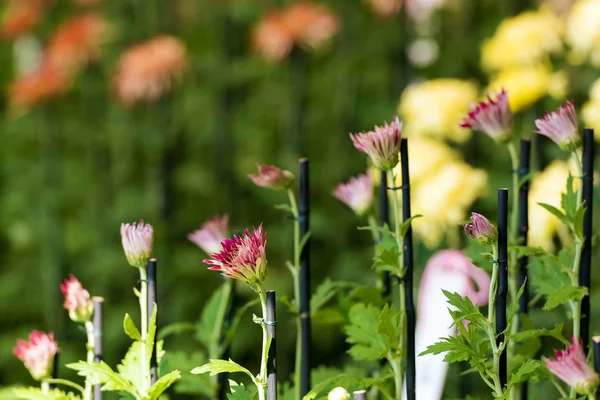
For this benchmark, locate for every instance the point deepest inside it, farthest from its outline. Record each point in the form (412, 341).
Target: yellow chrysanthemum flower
(435, 108)
(525, 86)
(547, 187)
(443, 187)
(525, 39)
(583, 32)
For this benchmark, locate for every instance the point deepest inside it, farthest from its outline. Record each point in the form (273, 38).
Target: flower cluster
(77, 300)
(242, 257)
(357, 193)
(37, 354)
(137, 241)
(211, 234)
(381, 144)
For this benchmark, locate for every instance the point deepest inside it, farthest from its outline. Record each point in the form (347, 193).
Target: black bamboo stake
(360, 395)
(151, 302)
(524, 168)
(384, 219)
(586, 252)
(304, 215)
(502, 278)
(55, 365)
(272, 362)
(408, 264)
(98, 343)
(596, 343)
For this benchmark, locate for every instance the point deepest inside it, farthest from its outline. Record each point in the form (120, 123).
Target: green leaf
(101, 373)
(130, 329)
(163, 384)
(465, 310)
(524, 373)
(304, 241)
(556, 212)
(206, 323)
(555, 332)
(407, 224)
(373, 333)
(457, 348)
(32, 393)
(387, 254)
(578, 222)
(568, 201)
(527, 251)
(348, 380)
(218, 366)
(325, 292)
(176, 328)
(131, 367)
(238, 392)
(283, 207)
(190, 384)
(564, 295)
(547, 275)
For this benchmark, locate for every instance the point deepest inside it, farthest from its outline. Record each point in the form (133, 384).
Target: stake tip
(596, 339)
(98, 299)
(303, 160)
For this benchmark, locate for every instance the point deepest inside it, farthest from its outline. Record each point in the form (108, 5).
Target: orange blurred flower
(310, 24)
(77, 42)
(20, 17)
(385, 8)
(272, 38)
(147, 70)
(86, 3)
(36, 87)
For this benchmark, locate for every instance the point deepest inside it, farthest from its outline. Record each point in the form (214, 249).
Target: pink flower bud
(494, 118)
(561, 127)
(137, 242)
(356, 194)
(272, 177)
(37, 354)
(482, 230)
(243, 257)
(211, 234)
(381, 145)
(572, 368)
(77, 300)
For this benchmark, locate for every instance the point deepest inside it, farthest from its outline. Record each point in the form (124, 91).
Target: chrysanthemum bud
(382, 144)
(77, 300)
(494, 118)
(561, 127)
(357, 193)
(338, 393)
(37, 354)
(211, 234)
(272, 177)
(243, 257)
(481, 229)
(572, 368)
(137, 242)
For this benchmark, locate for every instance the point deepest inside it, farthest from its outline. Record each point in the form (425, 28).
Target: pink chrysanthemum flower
(272, 177)
(382, 144)
(357, 193)
(137, 241)
(77, 300)
(37, 354)
(481, 229)
(561, 127)
(570, 365)
(494, 118)
(243, 257)
(211, 234)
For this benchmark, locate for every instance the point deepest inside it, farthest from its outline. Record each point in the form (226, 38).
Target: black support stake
(384, 219)
(304, 216)
(360, 395)
(502, 278)
(98, 321)
(151, 302)
(272, 363)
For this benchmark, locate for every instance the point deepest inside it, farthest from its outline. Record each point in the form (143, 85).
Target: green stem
(144, 360)
(374, 228)
(559, 388)
(262, 377)
(514, 229)
(296, 279)
(398, 372)
(492, 322)
(67, 383)
(578, 250)
(397, 368)
(91, 344)
(45, 387)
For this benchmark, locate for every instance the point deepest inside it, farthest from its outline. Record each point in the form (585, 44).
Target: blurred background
(114, 111)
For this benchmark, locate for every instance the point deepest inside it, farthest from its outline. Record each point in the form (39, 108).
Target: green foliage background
(73, 170)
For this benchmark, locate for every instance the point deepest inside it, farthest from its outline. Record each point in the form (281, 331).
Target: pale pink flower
(452, 271)
(571, 367)
(77, 300)
(481, 229)
(381, 145)
(211, 234)
(243, 257)
(494, 118)
(37, 354)
(561, 127)
(357, 193)
(137, 241)
(272, 38)
(271, 177)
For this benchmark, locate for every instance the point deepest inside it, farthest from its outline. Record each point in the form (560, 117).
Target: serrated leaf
(527, 251)
(215, 367)
(556, 212)
(130, 329)
(555, 332)
(568, 200)
(578, 222)
(238, 392)
(547, 275)
(407, 224)
(131, 367)
(101, 373)
(190, 384)
(466, 310)
(175, 329)
(387, 254)
(371, 331)
(163, 384)
(325, 292)
(564, 295)
(524, 373)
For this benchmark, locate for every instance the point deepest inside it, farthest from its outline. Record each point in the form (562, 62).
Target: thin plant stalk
(45, 387)
(576, 305)
(261, 380)
(143, 296)
(492, 321)
(67, 383)
(91, 344)
(513, 284)
(374, 229)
